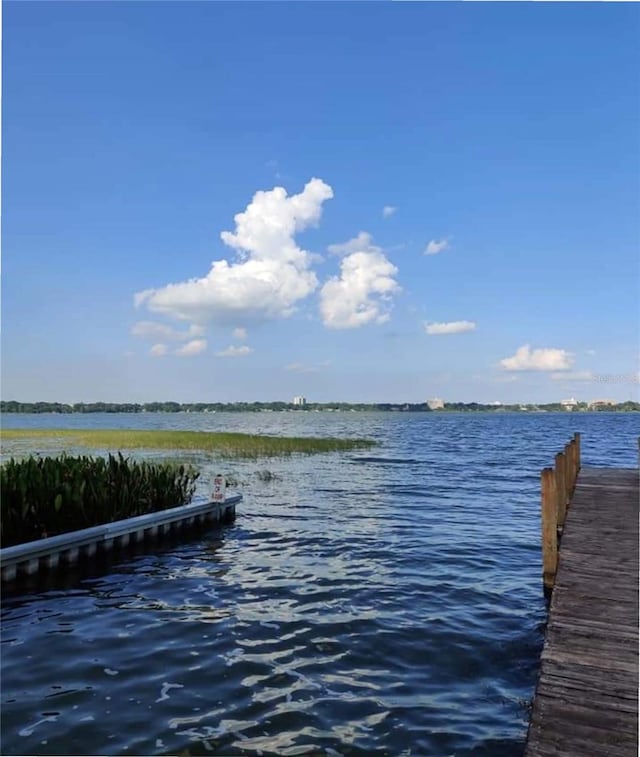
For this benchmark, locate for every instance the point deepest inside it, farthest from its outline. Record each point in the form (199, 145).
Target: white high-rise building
(300, 401)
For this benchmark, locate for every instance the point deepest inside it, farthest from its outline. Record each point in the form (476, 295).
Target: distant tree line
(549, 407)
(196, 407)
(240, 407)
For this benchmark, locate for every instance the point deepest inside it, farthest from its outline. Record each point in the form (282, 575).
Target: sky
(357, 202)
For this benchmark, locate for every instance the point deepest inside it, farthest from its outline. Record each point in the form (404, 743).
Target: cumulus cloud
(546, 359)
(452, 327)
(233, 351)
(435, 246)
(271, 272)
(158, 350)
(154, 330)
(194, 347)
(363, 291)
(388, 211)
(363, 241)
(240, 333)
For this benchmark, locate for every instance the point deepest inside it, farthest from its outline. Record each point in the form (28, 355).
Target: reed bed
(47, 496)
(226, 444)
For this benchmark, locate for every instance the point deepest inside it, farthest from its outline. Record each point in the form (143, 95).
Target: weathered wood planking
(586, 701)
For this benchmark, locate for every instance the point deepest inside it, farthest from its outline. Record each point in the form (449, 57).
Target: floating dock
(34, 557)
(586, 700)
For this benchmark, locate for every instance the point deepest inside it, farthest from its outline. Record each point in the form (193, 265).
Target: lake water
(386, 601)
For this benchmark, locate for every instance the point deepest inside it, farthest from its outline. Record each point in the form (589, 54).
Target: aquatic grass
(226, 444)
(44, 496)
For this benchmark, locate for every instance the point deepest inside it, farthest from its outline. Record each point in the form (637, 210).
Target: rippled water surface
(378, 602)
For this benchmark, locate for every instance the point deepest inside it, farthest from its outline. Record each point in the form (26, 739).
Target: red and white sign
(219, 489)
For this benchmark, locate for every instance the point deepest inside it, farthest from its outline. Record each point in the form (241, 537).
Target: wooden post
(549, 527)
(561, 487)
(576, 439)
(568, 471)
(574, 464)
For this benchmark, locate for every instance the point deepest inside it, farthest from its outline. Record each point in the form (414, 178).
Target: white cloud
(452, 327)
(388, 211)
(233, 351)
(158, 350)
(549, 359)
(194, 347)
(590, 352)
(154, 330)
(240, 334)
(271, 273)
(573, 376)
(435, 246)
(362, 292)
(363, 241)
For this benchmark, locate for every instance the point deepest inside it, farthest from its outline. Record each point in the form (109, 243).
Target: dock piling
(561, 488)
(557, 487)
(568, 469)
(549, 527)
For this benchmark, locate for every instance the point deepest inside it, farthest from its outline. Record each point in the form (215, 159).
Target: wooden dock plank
(586, 700)
(571, 692)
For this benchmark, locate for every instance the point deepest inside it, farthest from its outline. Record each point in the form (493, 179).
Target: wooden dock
(586, 701)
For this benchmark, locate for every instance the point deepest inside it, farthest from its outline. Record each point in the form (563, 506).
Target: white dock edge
(29, 558)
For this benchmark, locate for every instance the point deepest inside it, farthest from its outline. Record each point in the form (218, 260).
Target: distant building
(300, 401)
(595, 404)
(569, 404)
(435, 404)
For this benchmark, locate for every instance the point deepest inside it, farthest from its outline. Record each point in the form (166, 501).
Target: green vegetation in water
(53, 495)
(223, 443)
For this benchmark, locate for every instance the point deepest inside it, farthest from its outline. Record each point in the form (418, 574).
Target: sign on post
(219, 489)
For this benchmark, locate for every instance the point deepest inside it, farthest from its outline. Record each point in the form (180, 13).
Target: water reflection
(388, 605)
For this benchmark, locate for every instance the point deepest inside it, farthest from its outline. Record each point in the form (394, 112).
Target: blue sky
(420, 200)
